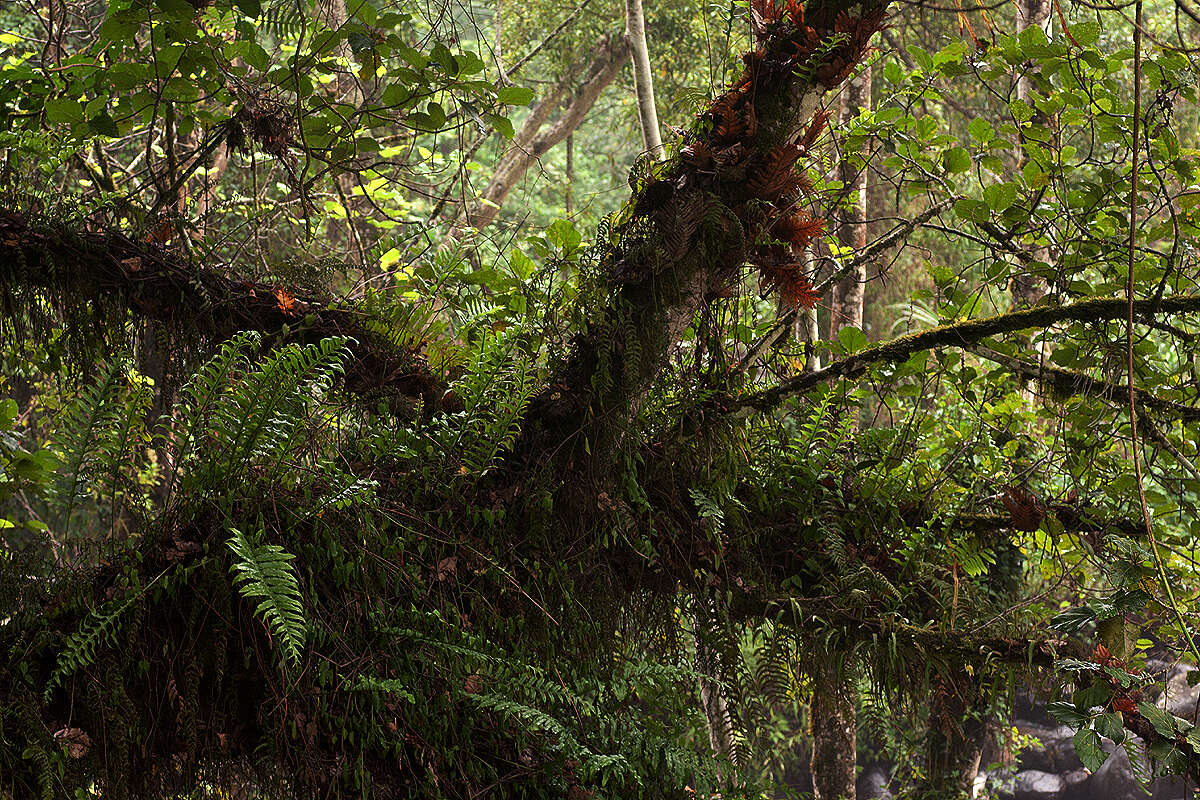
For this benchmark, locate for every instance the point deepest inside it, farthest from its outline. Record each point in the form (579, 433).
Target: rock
(1057, 753)
(1034, 784)
(1113, 781)
(1179, 698)
(873, 785)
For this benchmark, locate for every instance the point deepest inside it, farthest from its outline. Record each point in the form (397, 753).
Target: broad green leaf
(1163, 722)
(1089, 749)
(515, 95)
(956, 159)
(1000, 196)
(1111, 726)
(61, 111)
(981, 130)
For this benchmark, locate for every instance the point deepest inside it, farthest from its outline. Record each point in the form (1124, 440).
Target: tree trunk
(834, 715)
(1027, 289)
(847, 303)
(531, 143)
(834, 731)
(643, 83)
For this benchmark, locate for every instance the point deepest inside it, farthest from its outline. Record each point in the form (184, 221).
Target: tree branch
(961, 334)
(111, 275)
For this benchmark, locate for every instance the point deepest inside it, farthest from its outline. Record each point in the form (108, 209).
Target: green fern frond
(79, 650)
(266, 571)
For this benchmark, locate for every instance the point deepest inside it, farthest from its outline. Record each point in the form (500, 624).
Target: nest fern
(266, 571)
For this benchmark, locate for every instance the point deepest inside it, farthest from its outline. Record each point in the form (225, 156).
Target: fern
(85, 438)
(252, 415)
(266, 571)
(495, 392)
(79, 651)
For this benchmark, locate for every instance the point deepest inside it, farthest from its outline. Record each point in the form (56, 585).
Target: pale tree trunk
(848, 293)
(834, 713)
(531, 142)
(1027, 289)
(643, 82)
(834, 731)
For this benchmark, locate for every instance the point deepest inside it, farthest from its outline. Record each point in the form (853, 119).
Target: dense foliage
(314, 481)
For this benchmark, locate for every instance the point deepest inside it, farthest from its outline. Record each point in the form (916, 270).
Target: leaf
(1073, 620)
(852, 339)
(266, 571)
(1163, 722)
(981, 130)
(515, 95)
(1111, 726)
(502, 125)
(1089, 749)
(251, 8)
(1067, 714)
(956, 159)
(1000, 196)
(64, 111)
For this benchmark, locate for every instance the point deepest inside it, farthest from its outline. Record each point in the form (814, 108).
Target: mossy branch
(962, 334)
(111, 273)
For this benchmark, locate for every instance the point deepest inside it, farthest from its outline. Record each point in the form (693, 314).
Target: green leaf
(852, 339)
(1163, 722)
(981, 130)
(251, 8)
(1089, 749)
(1067, 714)
(956, 159)
(104, 124)
(515, 95)
(1111, 726)
(502, 125)
(1073, 620)
(64, 111)
(1086, 33)
(1000, 196)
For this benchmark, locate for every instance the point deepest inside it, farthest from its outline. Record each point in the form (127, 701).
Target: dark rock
(1057, 753)
(1113, 781)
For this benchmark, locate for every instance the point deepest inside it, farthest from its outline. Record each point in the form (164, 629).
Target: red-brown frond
(814, 129)
(790, 282)
(798, 229)
(844, 23)
(775, 176)
(795, 12)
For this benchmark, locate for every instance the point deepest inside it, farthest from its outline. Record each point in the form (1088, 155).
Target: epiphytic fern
(495, 392)
(251, 413)
(98, 432)
(265, 571)
(79, 650)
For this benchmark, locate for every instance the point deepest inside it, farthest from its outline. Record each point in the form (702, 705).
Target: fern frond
(79, 650)
(266, 571)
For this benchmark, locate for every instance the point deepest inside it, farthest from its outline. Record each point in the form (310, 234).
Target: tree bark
(643, 82)
(834, 731)
(834, 713)
(848, 293)
(1026, 289)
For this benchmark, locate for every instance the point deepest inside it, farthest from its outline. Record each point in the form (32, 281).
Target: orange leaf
(286, 303)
